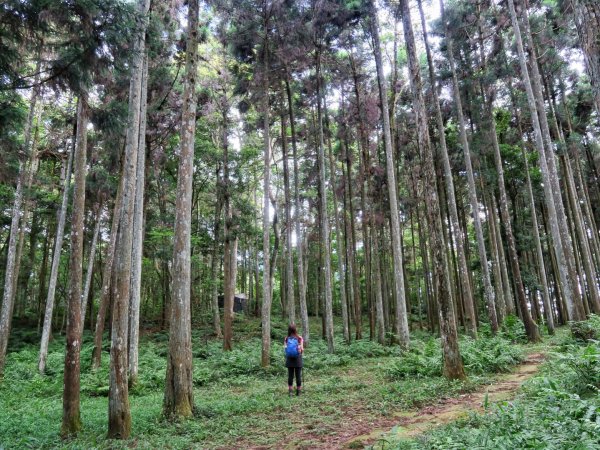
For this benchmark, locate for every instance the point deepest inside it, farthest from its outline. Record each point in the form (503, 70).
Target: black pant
(298, 371)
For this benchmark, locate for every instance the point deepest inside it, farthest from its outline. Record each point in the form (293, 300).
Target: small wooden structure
(240, 302)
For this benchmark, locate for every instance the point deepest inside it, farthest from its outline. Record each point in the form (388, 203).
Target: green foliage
(586, 330)
(513, 329)
(485, 355)
(556, 410)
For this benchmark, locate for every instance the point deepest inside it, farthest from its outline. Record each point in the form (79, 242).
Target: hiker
(294, 347)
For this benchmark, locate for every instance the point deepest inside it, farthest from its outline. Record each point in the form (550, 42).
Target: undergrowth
(558, 409)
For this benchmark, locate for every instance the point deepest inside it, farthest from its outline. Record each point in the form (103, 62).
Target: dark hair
(292, 330)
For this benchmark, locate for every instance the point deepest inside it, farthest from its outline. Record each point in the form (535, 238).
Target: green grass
(236, 401)
(557, 409)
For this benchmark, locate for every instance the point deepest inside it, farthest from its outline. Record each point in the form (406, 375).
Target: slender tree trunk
(453, 365)
(564, 250)
(587, 19)
(179, 401)
(297, 208)
(90, 267)
(324, 217)
(214, 266)
(71, 419)
(289, 260)
(487, 284)
(119, 414)
(107, 271)
(266, 284)
(138, 234)
(60, 232)
(401, 312)
(12, 261)
(463, 270)
(230, 244)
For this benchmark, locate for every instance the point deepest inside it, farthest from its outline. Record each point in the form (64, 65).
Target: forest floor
(351, 399)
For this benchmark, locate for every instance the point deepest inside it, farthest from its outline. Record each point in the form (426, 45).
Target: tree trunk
(562, 244)
(297, 208)
(401, 312)
(289, 260)
(11, 273)
(179, 401)
(107, 271)
(487, 284)
(453, 365)
(60, 232)
(324, 220)
(231, 240)
(119, 414)
(138, 234)
(587, 19)
(71, 420)
(339, 238)
(90, 267)
(266, 284)
(463, 270)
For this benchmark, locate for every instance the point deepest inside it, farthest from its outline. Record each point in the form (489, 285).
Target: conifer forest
(413, 185)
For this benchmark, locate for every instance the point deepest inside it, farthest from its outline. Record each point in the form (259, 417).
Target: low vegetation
(558, 409)
(235, 399)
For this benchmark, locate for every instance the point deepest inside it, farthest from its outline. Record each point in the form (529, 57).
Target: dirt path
(361, 429)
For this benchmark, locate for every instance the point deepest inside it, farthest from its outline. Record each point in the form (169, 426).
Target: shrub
(586, 330)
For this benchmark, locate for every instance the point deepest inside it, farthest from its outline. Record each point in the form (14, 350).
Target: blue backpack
(291, 349)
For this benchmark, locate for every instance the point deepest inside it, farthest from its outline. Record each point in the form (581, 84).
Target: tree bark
(463, 270)
(119, 414)
(71, 419)
(266, 282)
(178, 400)
(401, 312)
(60, 232)
(324, 216)
(487, 284)
(138, 233)
(297, 208)
(453, 365)
(11, 273)
(90, 267)
(547, 165)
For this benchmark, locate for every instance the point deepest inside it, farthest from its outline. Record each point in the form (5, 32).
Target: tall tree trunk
(587, 19)
(401, 312)
(487, 284)
(60, 232)
(107, 271)
(339, 237)
(138, 234)
(71, 419)
(266, 282)
(289, 260)
(215, 264)
(463, 270)
(554, 205)
(230, 247)
(297, 210)
(90, 267)
(324, 216)
(179, 401)
(11, 273)
(453, 365)
(119, 414)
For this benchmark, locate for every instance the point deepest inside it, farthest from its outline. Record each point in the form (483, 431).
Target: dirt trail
(360, 429)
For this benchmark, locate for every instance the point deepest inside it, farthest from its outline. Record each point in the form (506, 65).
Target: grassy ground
(558, 409)
(238, 404)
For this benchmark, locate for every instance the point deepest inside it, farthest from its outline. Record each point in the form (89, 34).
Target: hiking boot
(298, 392)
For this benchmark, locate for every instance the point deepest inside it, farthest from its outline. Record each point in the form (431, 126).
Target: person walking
(294, 348)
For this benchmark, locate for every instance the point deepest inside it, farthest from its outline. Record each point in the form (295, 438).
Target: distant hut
(239, 302)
